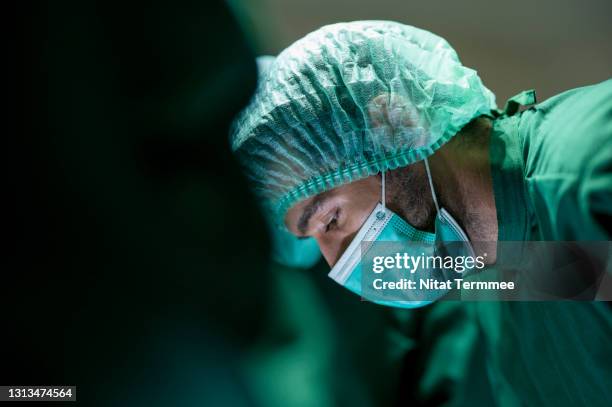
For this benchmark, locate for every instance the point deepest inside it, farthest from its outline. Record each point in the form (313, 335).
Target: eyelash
(333, 222)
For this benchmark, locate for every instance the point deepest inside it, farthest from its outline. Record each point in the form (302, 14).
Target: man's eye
(333, 223)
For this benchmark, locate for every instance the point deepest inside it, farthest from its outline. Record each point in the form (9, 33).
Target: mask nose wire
(431, 185)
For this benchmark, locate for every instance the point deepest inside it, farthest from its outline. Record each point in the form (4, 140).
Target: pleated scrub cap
(348, 101)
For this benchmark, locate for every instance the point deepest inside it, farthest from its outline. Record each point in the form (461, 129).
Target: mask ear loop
(382, 214)
(383, 191)
(431, 186)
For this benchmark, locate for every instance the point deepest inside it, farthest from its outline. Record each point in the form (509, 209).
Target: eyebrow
(309, 212)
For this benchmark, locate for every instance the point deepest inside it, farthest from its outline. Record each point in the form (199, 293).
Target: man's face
(333, 218)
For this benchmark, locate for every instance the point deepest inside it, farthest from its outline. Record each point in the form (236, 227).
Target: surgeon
(375, 129)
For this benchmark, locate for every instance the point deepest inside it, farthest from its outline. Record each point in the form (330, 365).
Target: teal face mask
(384, 225)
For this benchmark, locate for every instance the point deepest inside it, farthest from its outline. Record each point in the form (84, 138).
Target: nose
(333, 248)
(330, 254)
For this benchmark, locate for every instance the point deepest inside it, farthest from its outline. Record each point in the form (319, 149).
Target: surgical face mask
(383, 225)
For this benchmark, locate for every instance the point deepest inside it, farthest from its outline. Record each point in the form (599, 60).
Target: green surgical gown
(552, 179)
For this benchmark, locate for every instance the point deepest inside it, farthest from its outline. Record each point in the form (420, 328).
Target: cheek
(333, 244)
(357, 215)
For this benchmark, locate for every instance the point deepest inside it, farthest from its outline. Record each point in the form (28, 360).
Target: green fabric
(552, 177)
(323, 346)
(452, 361)
(348, 101)
(567, 155)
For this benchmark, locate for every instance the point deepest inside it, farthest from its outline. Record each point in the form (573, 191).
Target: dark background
(549, 45)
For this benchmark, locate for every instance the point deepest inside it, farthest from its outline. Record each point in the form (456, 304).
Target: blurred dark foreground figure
(140, 267)
(128, 205)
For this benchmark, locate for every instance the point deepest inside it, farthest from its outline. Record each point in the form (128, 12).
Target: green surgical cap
(348, 101)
